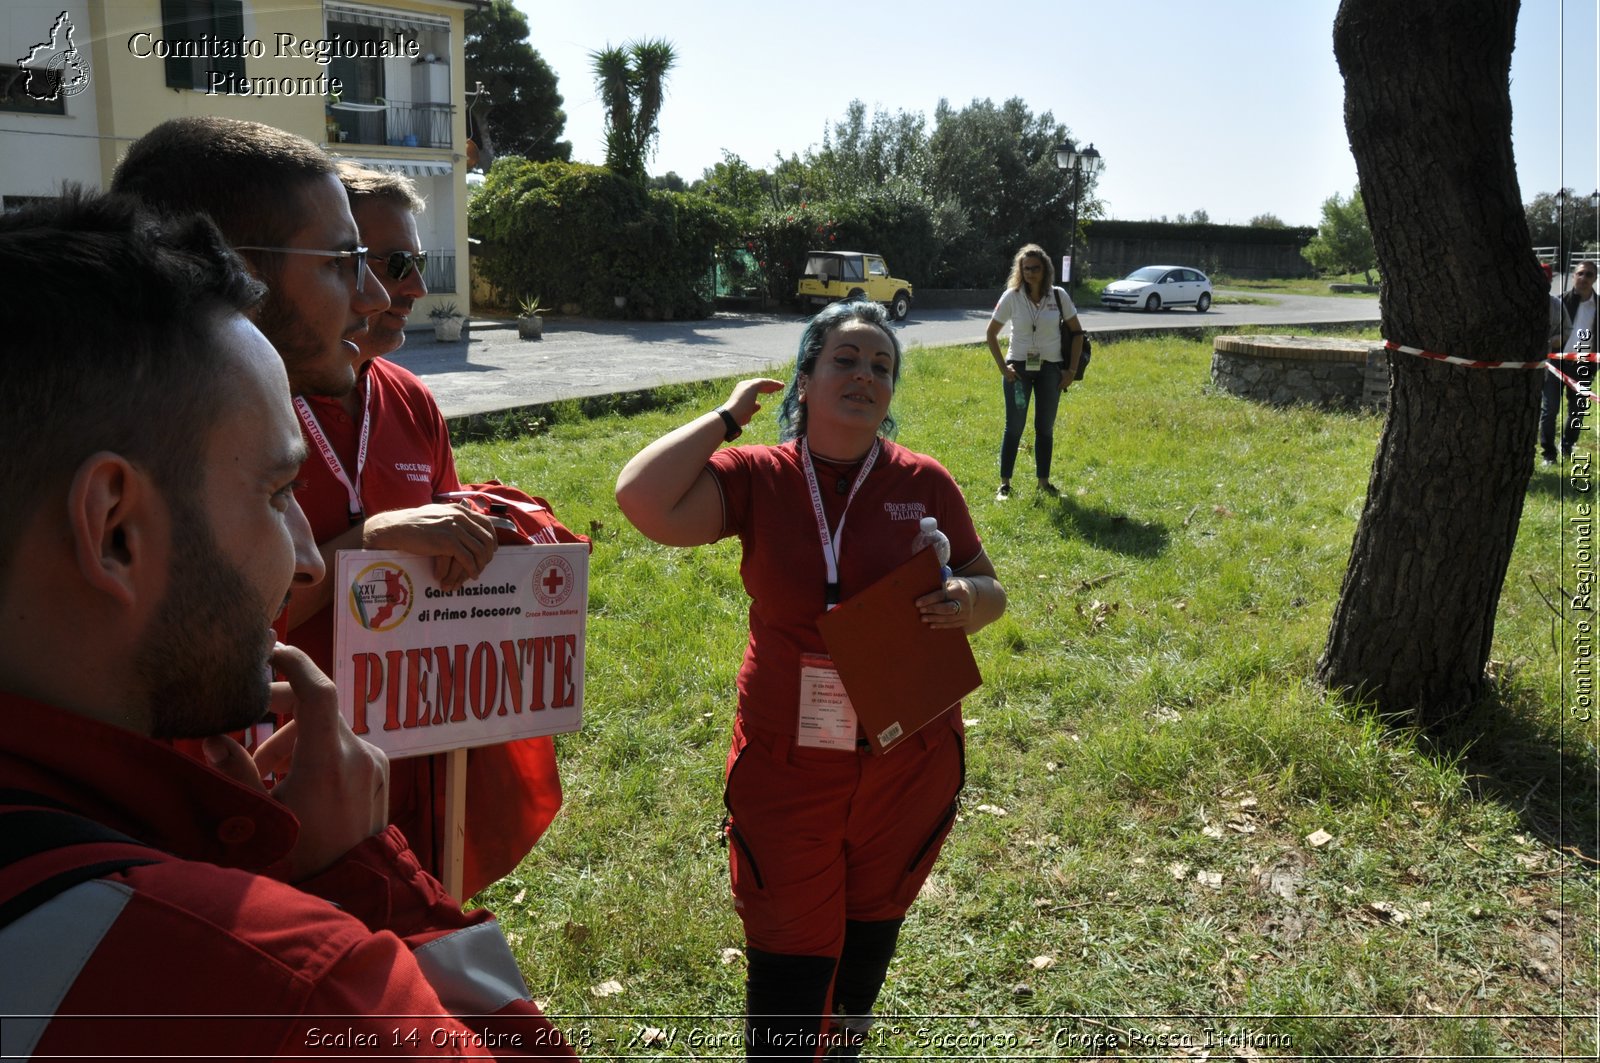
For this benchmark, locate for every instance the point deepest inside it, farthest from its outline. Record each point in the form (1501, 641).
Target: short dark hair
(137, 373)
(792, 412)
(249, 177)
(362, 183)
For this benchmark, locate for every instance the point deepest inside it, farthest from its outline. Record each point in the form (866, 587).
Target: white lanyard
(308, 420)
(831, 541)
(1034, 310)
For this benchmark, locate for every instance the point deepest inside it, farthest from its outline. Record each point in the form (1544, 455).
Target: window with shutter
(190, 27)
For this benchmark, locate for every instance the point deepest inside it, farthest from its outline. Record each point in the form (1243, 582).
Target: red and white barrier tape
(1576, 386)
(1470, 363)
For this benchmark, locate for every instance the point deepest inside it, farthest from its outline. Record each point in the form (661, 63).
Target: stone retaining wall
(1285, 370)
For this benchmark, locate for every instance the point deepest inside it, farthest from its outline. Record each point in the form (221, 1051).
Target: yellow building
(382, 83)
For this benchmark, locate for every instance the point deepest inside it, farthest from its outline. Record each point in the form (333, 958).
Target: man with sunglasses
(278, 202)
(392, 418)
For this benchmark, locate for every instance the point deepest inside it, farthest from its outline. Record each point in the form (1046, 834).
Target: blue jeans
(1550, 409)
(1045, 384)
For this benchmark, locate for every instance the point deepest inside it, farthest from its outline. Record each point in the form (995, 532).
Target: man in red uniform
(279, 201)
(386, 502)
(156, 449)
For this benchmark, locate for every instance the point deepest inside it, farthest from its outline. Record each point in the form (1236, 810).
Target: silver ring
(956, 604)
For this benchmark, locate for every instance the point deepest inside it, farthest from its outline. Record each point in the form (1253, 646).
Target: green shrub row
(576, 234)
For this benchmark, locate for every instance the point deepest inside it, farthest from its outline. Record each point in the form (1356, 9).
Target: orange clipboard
(900, 673)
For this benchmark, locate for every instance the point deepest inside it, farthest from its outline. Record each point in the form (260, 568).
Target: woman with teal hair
(828, 842)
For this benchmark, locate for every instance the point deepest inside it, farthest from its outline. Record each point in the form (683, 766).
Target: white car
(1158, 287)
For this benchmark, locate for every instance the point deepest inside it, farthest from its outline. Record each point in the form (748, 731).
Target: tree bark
(1428, 111)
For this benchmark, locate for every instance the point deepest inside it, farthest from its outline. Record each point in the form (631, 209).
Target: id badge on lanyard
(826, 718)
(1035, 357)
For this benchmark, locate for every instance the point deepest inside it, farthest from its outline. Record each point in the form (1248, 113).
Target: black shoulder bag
(1066, 337)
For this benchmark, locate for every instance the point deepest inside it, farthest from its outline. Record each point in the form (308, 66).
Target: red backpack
(519, 517)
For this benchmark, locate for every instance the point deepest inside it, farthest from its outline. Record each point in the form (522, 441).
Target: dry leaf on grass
(1318, 838)
(1042, 963)
(1211, 832)
(1209, 878)
(730, 955)
(993, 810)
(1098, 613)
(519, 897)
(606, 989)
(1247, 802)
(653, 1037)
(1386, 911)
(1178, 871)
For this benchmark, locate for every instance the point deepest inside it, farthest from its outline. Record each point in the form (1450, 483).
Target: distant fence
(1118, 247)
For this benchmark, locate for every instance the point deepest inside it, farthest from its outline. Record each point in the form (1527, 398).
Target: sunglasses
(359, 255)
(401, 263)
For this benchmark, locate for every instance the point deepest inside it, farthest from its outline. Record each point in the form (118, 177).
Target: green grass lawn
(1146, 760)
(1294, 285)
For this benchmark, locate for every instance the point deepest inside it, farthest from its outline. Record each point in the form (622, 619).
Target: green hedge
(573, 233)
(883, 222)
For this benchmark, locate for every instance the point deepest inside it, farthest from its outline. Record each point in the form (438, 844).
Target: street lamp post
(1079, 164)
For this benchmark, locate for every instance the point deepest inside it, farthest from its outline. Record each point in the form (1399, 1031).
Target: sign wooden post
(455, 822)
(423, 671)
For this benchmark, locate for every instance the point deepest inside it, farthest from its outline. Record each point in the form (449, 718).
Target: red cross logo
(558, 582)
(552, 582)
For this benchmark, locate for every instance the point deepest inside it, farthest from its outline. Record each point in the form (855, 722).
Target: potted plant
(530, 326)
(447, 322)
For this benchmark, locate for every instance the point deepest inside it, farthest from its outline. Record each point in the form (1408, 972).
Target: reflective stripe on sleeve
(472, 970)
(48, 948)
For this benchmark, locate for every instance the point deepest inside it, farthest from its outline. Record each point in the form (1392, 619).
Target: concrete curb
(492, 424)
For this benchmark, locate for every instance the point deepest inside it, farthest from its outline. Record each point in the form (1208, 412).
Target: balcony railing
(410, 125)
(440, 273)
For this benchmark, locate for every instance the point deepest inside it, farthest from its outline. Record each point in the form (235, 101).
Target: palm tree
(631, 82)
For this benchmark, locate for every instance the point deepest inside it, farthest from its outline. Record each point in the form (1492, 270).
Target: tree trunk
(1428, 111)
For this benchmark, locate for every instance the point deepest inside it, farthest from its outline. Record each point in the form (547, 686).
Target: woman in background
(1034, 365)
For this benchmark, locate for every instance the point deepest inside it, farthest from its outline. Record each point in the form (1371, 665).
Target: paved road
(493, 370)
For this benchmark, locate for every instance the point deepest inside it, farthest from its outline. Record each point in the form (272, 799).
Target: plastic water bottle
(929, 534)
(1018, 396)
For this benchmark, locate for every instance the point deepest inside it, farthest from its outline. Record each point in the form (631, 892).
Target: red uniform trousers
(818, 836)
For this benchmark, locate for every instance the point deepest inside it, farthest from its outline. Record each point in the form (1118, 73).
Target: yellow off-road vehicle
(833, 275)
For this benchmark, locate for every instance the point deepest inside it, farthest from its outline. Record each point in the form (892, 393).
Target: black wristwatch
(734, 431)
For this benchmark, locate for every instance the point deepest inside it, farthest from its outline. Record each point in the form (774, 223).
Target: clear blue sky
(1233, 106)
